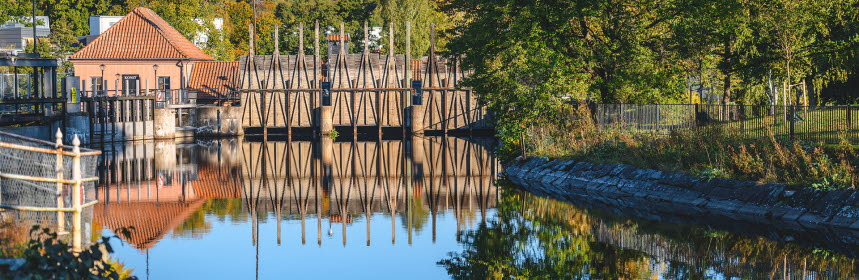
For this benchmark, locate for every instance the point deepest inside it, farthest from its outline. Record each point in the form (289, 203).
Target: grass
(827, 124)
(717, 151)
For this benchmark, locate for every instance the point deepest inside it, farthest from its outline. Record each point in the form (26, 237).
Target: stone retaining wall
(619, 185)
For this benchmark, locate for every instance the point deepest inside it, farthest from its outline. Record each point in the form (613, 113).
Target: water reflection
(167, 190)
(534, 237)
(424, 208)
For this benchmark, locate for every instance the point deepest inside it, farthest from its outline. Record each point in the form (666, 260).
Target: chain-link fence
(38, 180)
(829, 124)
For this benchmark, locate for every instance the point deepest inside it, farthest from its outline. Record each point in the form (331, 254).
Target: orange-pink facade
(114, 69)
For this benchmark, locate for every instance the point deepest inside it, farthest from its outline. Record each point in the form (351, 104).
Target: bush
(47, 257)
(711, 152)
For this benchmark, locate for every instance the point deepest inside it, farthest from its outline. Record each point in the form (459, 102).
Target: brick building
(138, 50)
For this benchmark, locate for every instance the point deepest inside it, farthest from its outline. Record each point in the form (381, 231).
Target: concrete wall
(652, 191)
(213, 121)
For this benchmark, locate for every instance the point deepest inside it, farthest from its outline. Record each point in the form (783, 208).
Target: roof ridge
(100, 37)
(141, 34)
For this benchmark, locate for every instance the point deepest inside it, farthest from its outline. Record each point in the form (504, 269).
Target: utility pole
(35, 36)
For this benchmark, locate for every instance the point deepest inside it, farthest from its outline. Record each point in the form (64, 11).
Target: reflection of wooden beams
(367, 177)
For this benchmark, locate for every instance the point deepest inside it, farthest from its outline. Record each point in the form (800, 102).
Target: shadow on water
(533, 237)
(289, 207)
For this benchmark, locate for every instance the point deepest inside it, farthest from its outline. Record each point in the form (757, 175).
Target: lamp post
(155, 68)
(181, 74)
(35, 36)
(13, 57)
(181, 80)
(101, 84)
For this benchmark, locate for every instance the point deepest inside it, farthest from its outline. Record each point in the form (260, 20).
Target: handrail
(76, 182)
(45, 180)
(46, 209)
(46, 151)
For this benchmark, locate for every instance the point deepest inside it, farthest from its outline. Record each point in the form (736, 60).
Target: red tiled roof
(141, 34)
(336, 37)
(211, 78)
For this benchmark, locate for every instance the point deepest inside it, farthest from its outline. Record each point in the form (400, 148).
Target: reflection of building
(139, 49)
(294, 180)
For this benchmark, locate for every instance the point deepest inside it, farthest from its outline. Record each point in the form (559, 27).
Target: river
(426, 208)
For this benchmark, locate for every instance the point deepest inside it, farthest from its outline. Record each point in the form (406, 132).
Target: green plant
(711, 173)
(48, 257)
(331, 134)
(709, 152)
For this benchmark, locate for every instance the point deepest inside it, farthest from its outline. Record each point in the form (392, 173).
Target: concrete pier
(165, 123)
(417, 119)
(217, 121)
(326, 122)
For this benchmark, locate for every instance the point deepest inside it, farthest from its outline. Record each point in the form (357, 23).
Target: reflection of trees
(419, 214)
(511, 246)
(538, 238)
(196, 225)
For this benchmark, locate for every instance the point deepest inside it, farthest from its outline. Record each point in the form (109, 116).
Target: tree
(527, 55)
(420, 14)
(721, 32)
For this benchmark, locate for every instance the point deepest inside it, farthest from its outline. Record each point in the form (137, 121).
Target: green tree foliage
(527, 55)
(352, 13)
(47, 257)
(538, 238)
(420, 14)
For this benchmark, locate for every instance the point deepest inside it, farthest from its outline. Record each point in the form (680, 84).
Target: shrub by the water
(47, 257)
(708, 152)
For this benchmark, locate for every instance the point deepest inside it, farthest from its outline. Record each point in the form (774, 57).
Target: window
(96, 84)
(130, 84)
(164, 82)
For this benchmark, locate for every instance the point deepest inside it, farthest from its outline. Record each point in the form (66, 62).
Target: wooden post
(145, 105)
(378, 102)
(341, 64)
(61, 216)
(407, 62)
(317, 60)
(77, 192)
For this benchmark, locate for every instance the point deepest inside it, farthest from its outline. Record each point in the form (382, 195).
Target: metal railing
(33, 178)
(830, 124)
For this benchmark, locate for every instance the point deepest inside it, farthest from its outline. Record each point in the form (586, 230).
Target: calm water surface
(425, 208)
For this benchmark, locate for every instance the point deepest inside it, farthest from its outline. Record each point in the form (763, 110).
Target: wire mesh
(16, 192)
(828, 124)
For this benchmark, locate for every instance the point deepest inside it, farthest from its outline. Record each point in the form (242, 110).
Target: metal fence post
(792, 118)
(76, 195)
(61, 216)
(695, 115)
(742, 117)
(849, 122)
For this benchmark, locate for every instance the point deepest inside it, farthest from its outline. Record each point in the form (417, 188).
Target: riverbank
(715, 151)
(654, 191)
